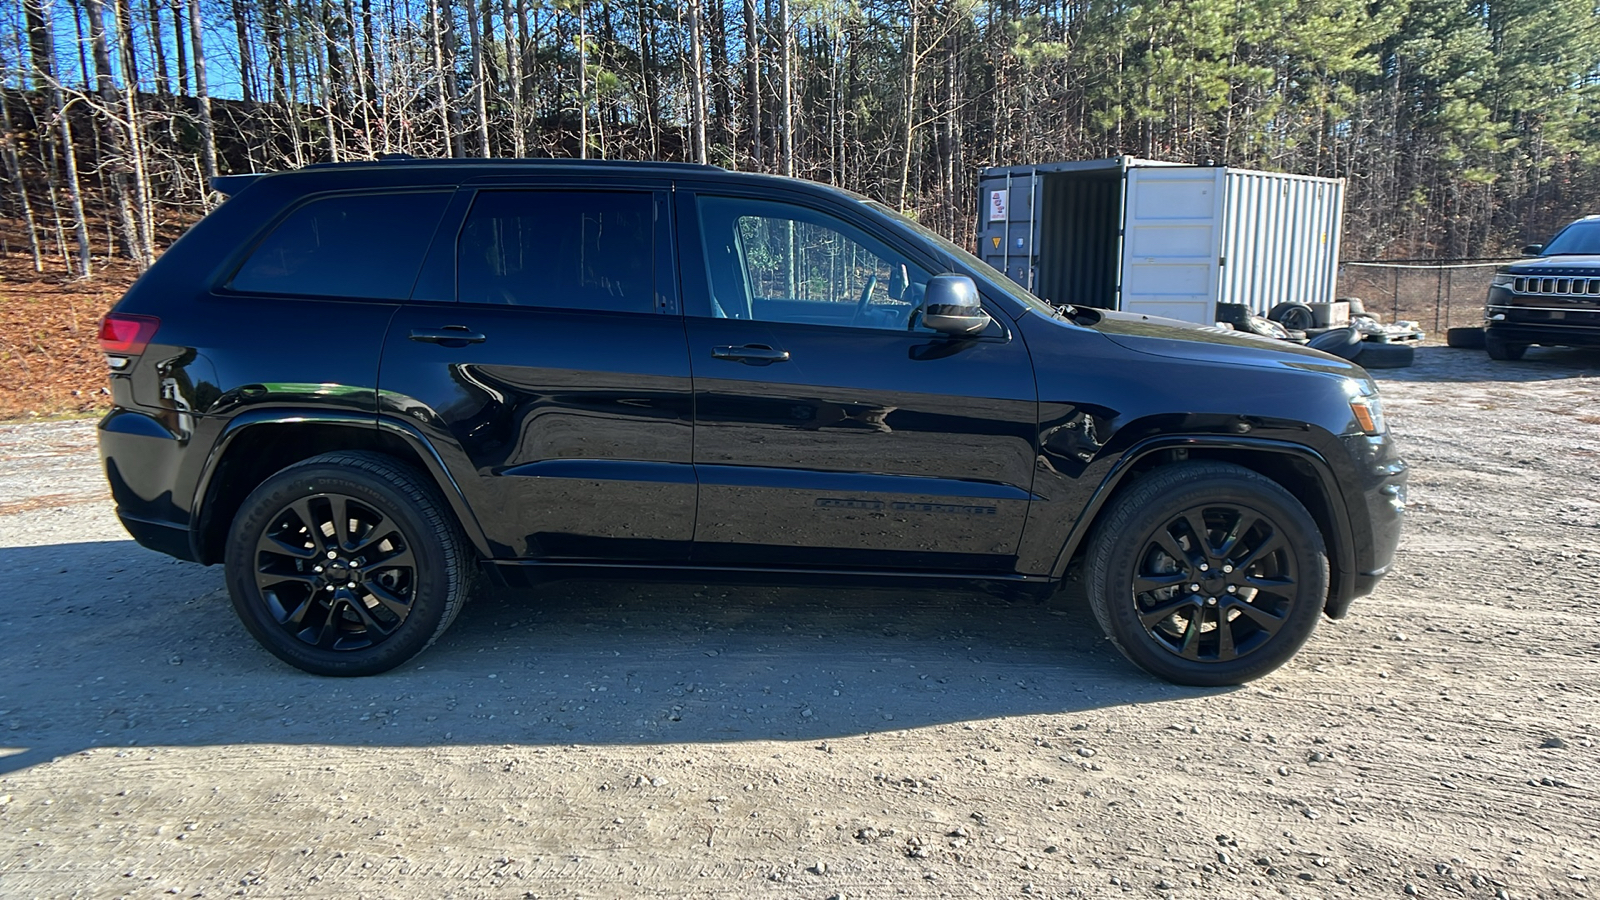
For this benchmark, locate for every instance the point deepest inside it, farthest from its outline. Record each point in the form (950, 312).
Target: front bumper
(1557, 320)
(1376, 506)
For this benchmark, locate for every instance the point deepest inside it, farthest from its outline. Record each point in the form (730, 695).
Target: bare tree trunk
(115, 145)
(41, 44)
(69, 164)
(752, 63)
(157, 49)
(475, 38)
(913, 55)
(13, 165)
(247, 68)
(583, 80)
(180, 40)
(785, 34)
(697, 84)
(519, 136)
(452, 93)
(208, 135)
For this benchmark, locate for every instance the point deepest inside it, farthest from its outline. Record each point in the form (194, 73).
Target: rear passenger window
(589, 250)
(350, 246)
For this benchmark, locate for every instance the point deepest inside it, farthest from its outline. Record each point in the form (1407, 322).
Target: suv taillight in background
(127, 335)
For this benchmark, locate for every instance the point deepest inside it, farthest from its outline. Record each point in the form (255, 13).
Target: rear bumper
(143, 458)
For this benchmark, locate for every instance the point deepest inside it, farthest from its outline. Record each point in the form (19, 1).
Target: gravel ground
(619, 740)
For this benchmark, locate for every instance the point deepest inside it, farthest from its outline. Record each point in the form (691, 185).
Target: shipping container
(1159, 238)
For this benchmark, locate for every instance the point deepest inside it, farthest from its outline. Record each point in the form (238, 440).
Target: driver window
(773, 262)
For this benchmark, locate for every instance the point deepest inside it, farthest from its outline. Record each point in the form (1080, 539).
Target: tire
(1344, 343)
(354, 615)
(1293, 316)
(1502, 349)
(1378, 355)
(1278, 597)
(1465, 338)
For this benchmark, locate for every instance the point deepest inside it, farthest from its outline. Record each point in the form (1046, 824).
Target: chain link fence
(1438, 294)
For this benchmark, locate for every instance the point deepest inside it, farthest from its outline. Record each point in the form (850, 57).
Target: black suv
(359, 385)
(1552, 300)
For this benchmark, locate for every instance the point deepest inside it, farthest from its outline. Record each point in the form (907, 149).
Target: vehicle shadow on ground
(108, 644)
(1441, 364)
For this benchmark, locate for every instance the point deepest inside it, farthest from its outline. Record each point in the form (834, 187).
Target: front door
(831, 428)
(544, 356)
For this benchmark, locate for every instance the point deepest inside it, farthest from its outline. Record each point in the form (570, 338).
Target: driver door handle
(751, 354)
(449, 335)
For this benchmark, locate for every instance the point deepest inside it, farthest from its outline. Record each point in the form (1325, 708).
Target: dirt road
(609, 740)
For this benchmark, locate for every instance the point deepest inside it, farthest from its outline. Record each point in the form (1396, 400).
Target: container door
(1008, 225)
(1171, 249)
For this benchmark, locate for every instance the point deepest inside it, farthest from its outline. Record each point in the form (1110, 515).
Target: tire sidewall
(430, 595)
(1136, 519)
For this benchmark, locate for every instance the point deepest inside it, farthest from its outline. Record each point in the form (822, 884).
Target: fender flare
(431, 462)
(1342, 552)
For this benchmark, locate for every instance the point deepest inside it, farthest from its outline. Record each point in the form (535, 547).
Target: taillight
(125, 334)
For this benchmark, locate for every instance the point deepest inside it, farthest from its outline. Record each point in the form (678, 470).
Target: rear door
(832, 429)
(543, 354)
(1172, 244)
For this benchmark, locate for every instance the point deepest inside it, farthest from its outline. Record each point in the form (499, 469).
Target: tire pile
(1365, 339)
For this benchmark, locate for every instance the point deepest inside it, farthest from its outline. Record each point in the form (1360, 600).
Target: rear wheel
(1500, 348)
(1207, 574)
(346, 564)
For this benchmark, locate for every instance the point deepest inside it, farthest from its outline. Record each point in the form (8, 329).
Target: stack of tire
(1291, 321)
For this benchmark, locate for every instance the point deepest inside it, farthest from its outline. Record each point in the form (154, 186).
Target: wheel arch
(1300, 470)
(280, 438)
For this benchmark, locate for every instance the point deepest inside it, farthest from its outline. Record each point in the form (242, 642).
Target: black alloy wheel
(336, 573)
(1207, 573)
(1214, 583)
(346, 564)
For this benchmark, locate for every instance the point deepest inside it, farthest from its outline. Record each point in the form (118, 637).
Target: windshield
(978, 266)
(1578, 239)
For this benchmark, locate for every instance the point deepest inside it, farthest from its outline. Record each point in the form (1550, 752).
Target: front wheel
(1207, 574)
(346, 564)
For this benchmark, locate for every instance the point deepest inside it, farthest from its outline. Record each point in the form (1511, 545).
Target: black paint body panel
(589, 440)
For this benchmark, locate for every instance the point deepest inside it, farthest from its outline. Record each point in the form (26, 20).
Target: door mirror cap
(1532, 250)
(950, 306)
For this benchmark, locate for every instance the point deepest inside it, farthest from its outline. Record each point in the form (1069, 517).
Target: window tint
(563, 249)
(350, 246)
(1577, 239)
(775, 262)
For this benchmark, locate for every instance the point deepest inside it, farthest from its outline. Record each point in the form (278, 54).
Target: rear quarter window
(366, 245)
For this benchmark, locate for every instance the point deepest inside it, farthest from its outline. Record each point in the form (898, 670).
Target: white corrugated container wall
(1280, 238)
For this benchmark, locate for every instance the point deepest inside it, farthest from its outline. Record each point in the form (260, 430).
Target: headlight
(1502, 279)
(1365, 405)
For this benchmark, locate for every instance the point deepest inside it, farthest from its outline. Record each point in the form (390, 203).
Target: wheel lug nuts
(317, 569)
(1211, 601)
(351, 585)
(1227, 569)
(1195, 587)
(1233, 589)
(1204, 567)
(332, 555)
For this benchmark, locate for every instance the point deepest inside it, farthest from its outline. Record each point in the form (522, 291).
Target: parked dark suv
(1553, 299)
(358, 385)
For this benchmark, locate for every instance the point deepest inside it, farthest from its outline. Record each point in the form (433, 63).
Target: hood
(1177, 339)
(1555, 265)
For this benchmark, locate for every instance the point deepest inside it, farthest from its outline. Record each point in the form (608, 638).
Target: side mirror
(950, 306)
(1532, 249)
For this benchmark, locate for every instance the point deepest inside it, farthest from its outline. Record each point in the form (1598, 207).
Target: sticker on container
(997, 206)
(996, 242)
(1019, 243)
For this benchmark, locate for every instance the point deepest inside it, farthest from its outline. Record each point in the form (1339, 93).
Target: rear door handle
(456, 335)
(751, 354)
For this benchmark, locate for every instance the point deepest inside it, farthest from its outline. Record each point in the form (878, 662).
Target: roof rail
(228, 185)
(406, 159)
